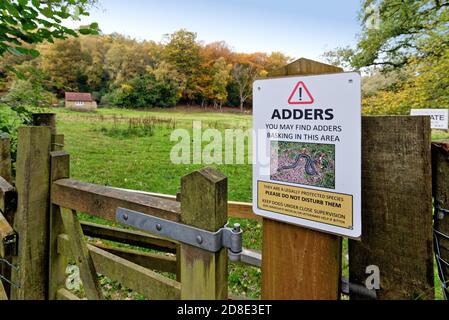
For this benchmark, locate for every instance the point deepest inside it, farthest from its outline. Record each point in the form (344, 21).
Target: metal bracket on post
(226, 237)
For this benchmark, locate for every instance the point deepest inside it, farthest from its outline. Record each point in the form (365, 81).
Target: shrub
(11, 118)
(25, 93)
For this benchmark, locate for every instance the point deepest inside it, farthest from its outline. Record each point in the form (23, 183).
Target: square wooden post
(31, 220)
(396, 208)
(299, 263)
(204, 205)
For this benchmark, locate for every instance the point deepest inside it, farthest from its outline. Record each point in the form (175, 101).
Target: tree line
(123, 72)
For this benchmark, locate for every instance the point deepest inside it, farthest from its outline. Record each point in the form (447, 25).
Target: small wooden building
(80, 101)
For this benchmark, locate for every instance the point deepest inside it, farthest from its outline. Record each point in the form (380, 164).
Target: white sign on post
(307, 152)
(439, 117)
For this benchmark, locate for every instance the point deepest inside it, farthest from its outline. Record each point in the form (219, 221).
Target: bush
(16, 107)
(11, 118)
(25, 93)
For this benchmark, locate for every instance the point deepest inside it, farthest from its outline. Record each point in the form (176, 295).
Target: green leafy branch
(27, 22)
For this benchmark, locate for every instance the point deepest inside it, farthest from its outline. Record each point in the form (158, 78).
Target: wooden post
(5, 157)
(5, 173)
(298, 263)
(60, 169)
(178, 246)
(204, 205)
(396, 208)
(57, 142)
(440, 159)
(31, 220)
(49, 120)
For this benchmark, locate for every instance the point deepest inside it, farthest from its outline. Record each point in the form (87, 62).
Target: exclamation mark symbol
(300, 94)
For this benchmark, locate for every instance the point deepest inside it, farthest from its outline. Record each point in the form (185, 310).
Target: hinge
(226, 237)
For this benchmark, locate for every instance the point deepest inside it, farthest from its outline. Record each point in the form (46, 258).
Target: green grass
(105, 151)
(439, 135)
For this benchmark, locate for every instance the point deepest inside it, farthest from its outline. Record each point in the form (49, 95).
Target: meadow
(131, 149)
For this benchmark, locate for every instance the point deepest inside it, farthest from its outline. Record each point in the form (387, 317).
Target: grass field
(107, 149)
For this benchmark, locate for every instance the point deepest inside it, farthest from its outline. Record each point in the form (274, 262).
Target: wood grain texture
(152, 261)
(298, 263)
(130, 237)
(59, 169)
(204, 205)
(440, 159)
(305, 66)
(5, 157)
(82, 256)
(31, 220)
(396, 208)
(140, 279)
(242, 210)
(3, 293)
(66, 295)
(57, 142)
(103, 201)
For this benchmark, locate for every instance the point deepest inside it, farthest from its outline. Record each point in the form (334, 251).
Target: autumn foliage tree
(409, 38)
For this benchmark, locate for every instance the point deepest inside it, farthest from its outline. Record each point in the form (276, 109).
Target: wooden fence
(40, 211)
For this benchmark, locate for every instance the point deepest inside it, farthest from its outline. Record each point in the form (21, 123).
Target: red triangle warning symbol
(301, 95)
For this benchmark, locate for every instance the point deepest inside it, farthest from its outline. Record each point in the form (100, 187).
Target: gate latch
(226, 237)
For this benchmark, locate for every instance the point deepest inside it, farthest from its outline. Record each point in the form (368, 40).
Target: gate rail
(51, 236)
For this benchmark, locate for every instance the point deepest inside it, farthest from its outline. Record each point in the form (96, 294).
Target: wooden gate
(51, 235)
(40, 232)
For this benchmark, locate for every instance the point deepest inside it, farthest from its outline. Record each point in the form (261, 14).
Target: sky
(297, 28)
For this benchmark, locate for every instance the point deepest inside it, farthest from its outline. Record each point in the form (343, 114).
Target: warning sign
(301, 95)
(320, 206)
(307, 152)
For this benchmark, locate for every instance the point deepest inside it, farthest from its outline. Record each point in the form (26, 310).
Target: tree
(26, 22)
(276, 60)
(220, 80)
(396, 31)
(159, 87)
(426, 85)
(64, 63)
(183, 53)
(243, 76)
(125, 60)
(216, 50)
(94, 50)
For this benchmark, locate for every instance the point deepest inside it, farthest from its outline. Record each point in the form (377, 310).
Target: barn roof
(78, 96)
